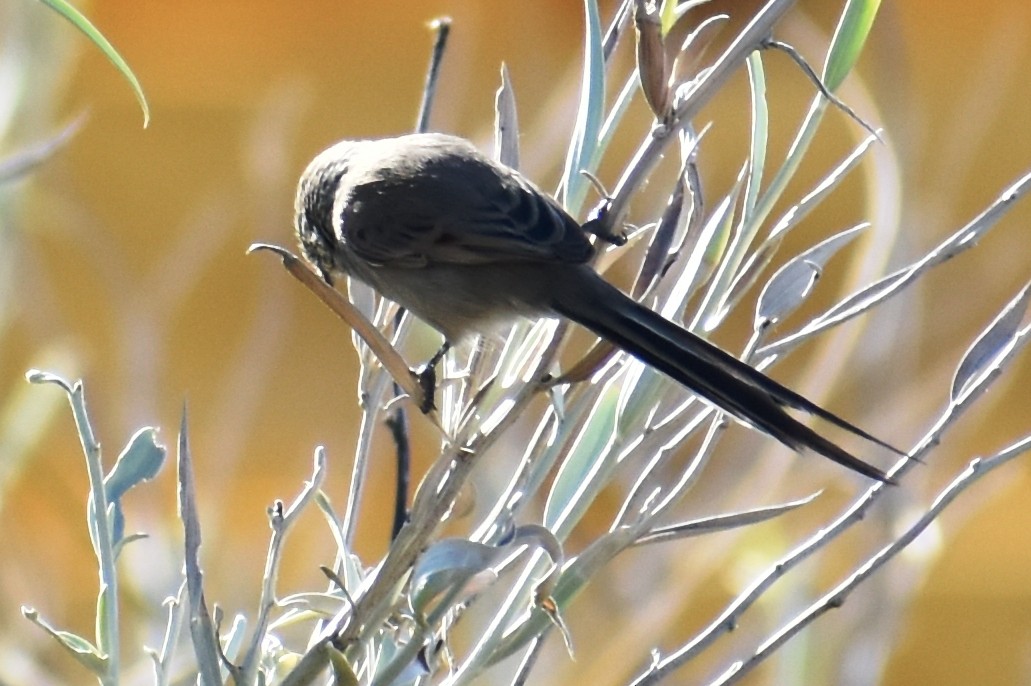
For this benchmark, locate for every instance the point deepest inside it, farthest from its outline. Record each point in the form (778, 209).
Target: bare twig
(797, 58)
(836, 597)
(280, 520)
(853, 514)
(442, 26)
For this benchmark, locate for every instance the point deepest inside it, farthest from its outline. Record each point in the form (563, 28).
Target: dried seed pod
(651, 59)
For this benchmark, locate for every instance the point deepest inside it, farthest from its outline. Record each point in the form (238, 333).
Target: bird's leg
(427, 378)
(598, 224)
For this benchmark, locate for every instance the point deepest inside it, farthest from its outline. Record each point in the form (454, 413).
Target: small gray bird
(467, 244)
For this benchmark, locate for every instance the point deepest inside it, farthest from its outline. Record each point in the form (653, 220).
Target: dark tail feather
(710, 372)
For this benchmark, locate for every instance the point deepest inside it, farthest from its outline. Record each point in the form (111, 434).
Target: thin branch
(352, 629)
(397, 425)
(854, 513)
(442, 25)
(280, 520)
(836, 597)
(797, 58)
(689, 104)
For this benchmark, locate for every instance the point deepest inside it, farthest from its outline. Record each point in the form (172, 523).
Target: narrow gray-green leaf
(202, 628)
(84, 652)
(791, 285)
(589, 116)
(445, 568)
(587, 466)
(760, 132)
(725, 253)
(697, 527)
(892, 284)
(107, 620)
(994, 343)
(24, 161)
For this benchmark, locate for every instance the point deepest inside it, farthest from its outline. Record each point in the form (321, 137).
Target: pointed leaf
(697, 527)
(759, 141)
(724, 254)
(450, 567)
(791, 285)
(587, 465)
(849, 37)
(81, 649)
(762, 256)
(892, 284)
(667, 15)
(589, 116)
(84, 25)
(506, 123)
(107, 622)
(24, 161)
(993, 344)
(202, 628)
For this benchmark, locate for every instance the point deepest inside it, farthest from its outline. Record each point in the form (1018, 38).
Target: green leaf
(81, 649)
(581, 156)
(343, 675)
(588, 465)
(724, 253)
(760, 132)
(849, 38)
(667, 15)
(105, 630)
(125, 540)
(83, 24)
(450, 569)
(139, 461)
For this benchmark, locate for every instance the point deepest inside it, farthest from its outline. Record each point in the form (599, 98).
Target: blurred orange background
(127, 269)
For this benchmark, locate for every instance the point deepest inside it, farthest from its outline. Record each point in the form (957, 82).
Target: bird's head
(313, 206)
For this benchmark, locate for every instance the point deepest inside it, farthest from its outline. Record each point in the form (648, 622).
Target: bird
(468, 244)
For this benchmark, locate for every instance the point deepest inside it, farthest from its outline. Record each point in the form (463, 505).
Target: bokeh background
(123, 263)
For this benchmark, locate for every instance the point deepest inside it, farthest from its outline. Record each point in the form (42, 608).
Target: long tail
(713, 374)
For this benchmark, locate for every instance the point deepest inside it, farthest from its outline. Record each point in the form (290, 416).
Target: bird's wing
(457, 214)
